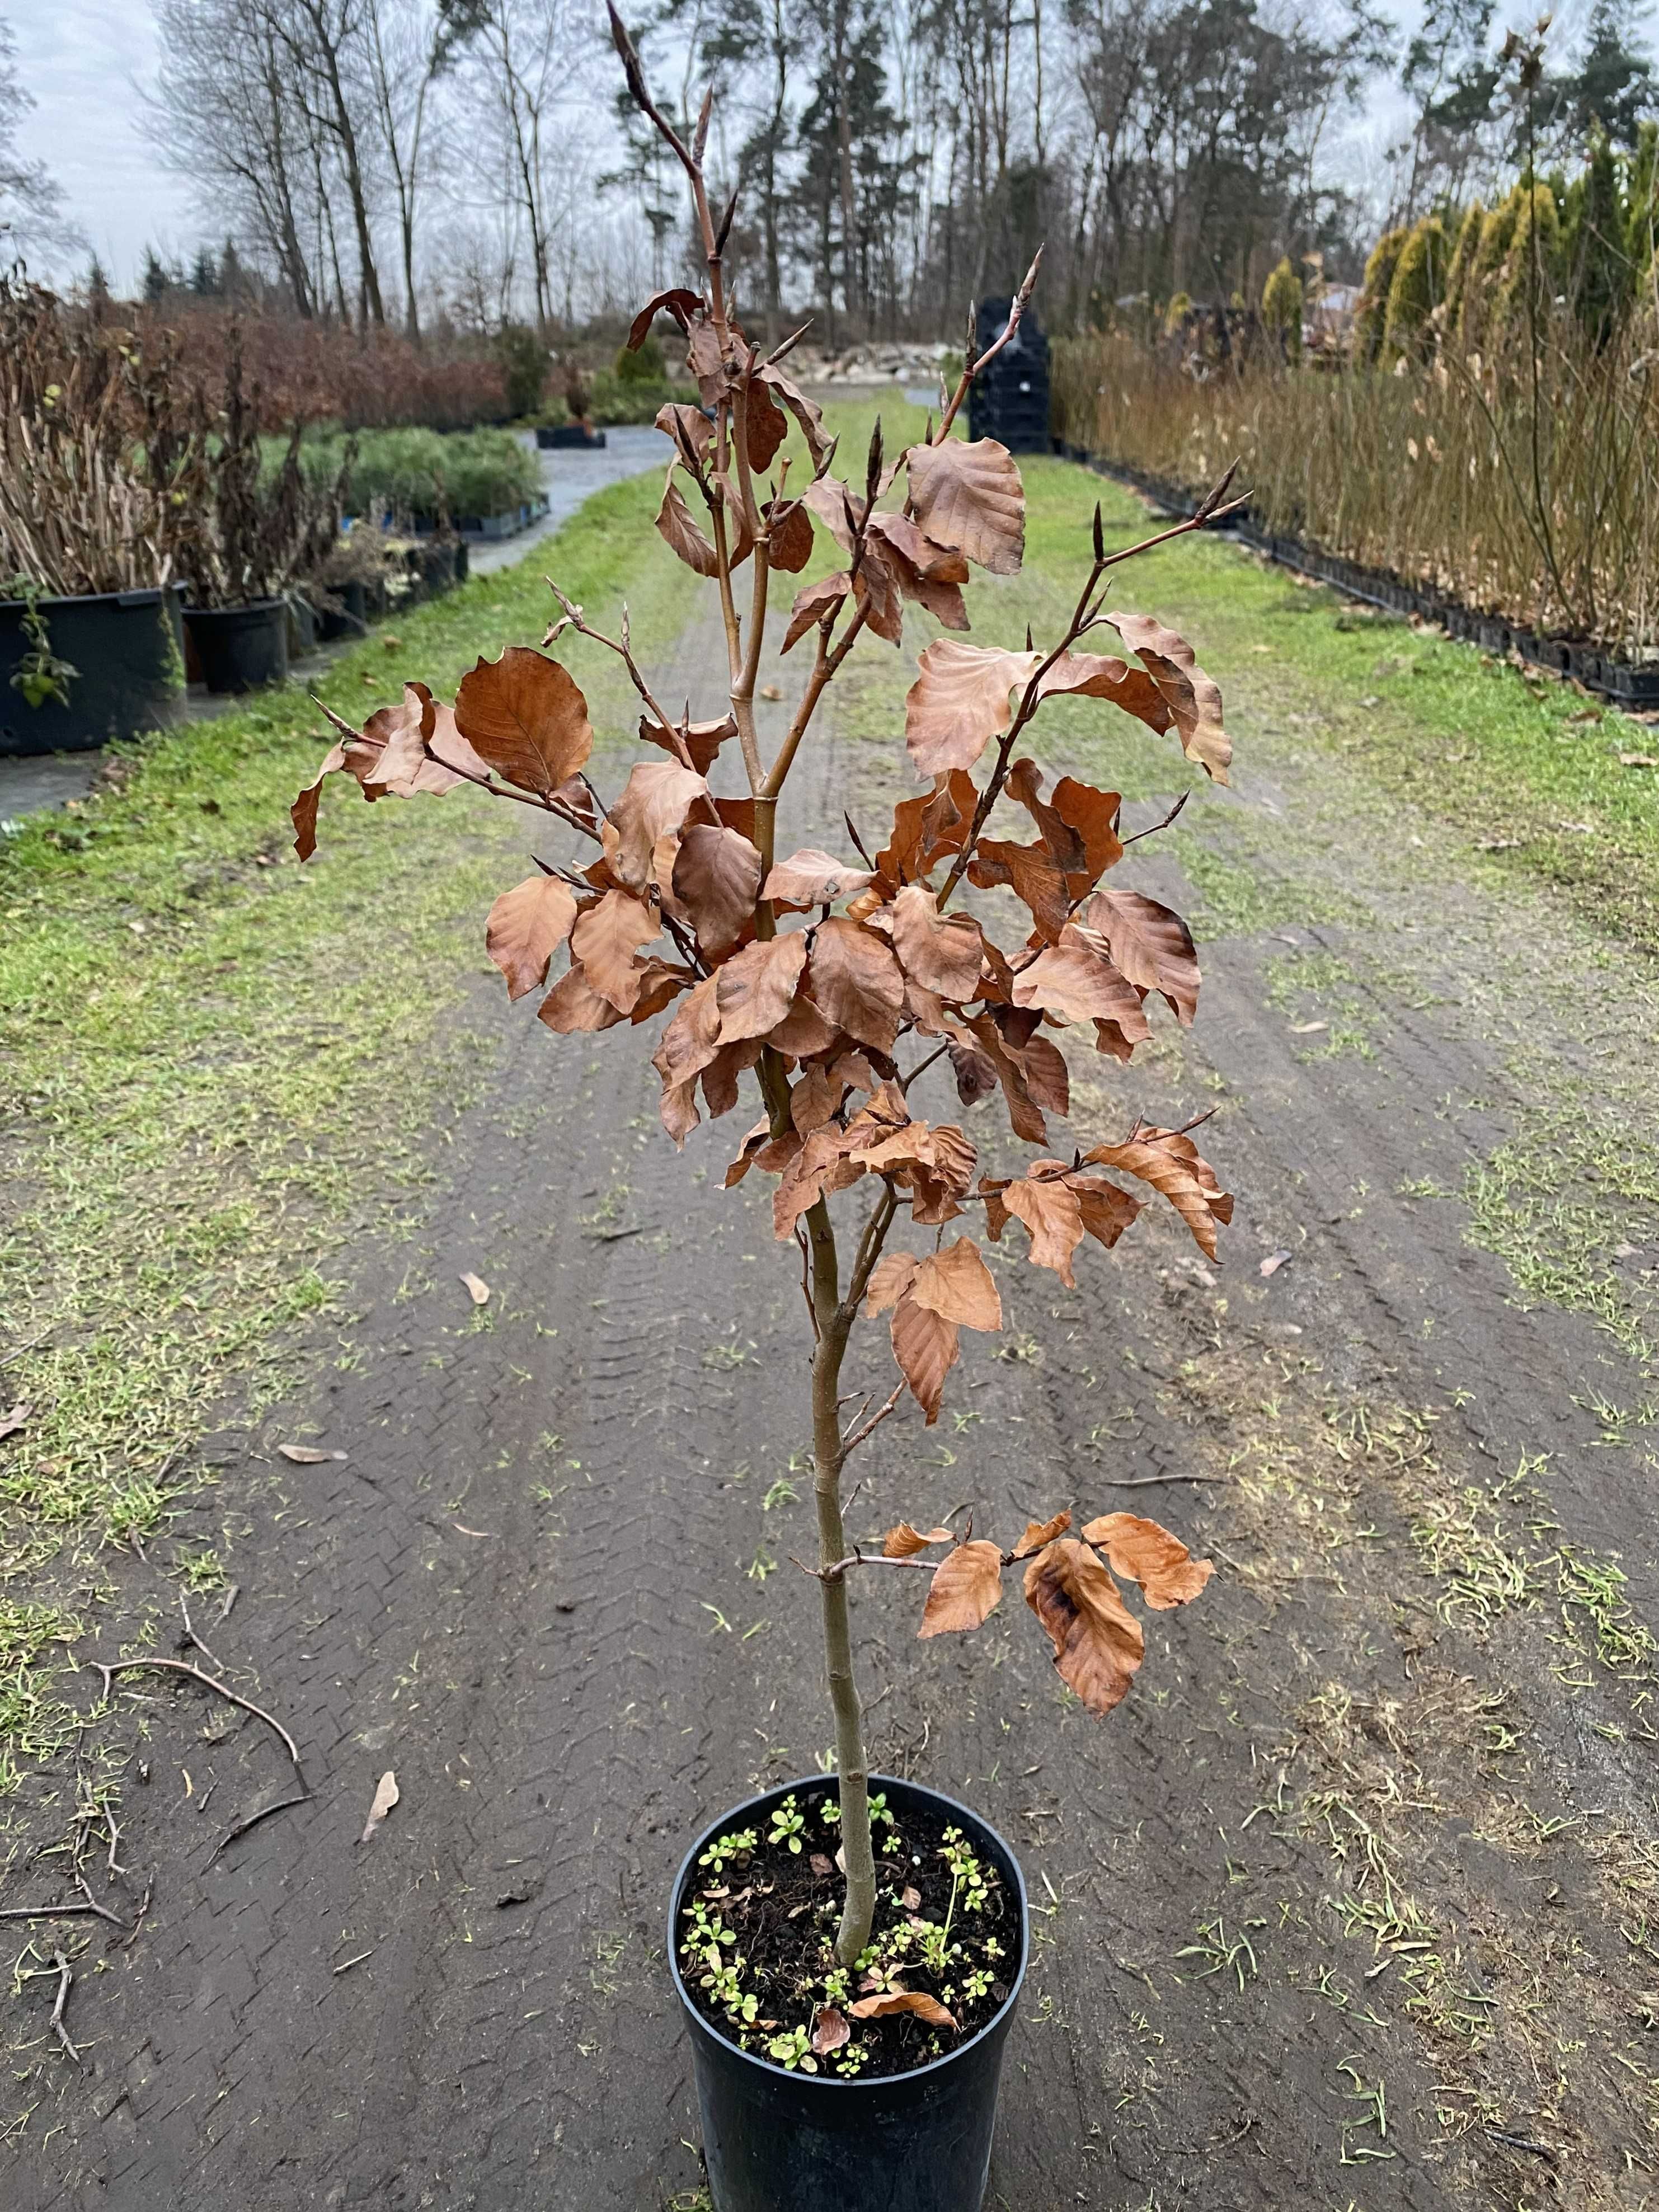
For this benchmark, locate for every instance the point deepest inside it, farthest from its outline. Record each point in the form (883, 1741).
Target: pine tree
(1418, 286)
(1614, 84)
(1281, 309)
(1593, 250)
(154, 283)
(205, 274)
(1372, 313)
(1461, 274)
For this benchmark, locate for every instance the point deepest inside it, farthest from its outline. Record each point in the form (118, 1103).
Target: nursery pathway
(1347, 1905)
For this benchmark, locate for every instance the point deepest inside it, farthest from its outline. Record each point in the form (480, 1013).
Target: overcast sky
(86, 62)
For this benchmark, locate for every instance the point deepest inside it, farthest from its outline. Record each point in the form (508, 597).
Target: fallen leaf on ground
(385, 1796)
(460, 1531)
(830, 2030)
(308, 1455)
(1274, 1262)
(821, 1865)
(771, 692)
(910, 1899)
(1308, 1029)
(915, 2000)
(528, 1886)
(11, 1423)
(1639, 760)
(477, 1289)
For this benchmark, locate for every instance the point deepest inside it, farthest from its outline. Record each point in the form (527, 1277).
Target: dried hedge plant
(816, 1014)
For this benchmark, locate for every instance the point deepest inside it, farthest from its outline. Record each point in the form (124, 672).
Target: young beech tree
(816, 978)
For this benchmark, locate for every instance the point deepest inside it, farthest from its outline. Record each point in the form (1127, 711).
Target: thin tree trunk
(851, 1762)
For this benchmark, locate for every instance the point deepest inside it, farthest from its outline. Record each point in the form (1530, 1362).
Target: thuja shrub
(821, 987)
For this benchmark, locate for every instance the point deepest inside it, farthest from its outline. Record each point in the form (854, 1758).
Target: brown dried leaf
(810, 877)
(525, 928)
(477, 1289)
(804, 411)
(703, 740)
(813, 604)
(765, 424)
(1148, 1554)
(301, 1454)
(1193, 698)
(656, 802)
(942, 952)
(1107, 1211)
(966, 1589)
(1098, 1644)
(1076, 981)
(789, 543)
(716, 878)
(904, 1542)
(956, 1285)
(303, 813)
(829, 2028)
(683, 305)
(890, 1279)
(385, 1796)
(688, 427)
(604, 939)
(1170, 1163)
(960, 701)
(856, 982)
(925, 1346)
(681, 534)
(895, 2001)
(1150, 944)
(969, 495)
(1039, 1533)
(575, 1008)
(755, 988)
(1031, 873)
(1050, 1209)
(1103, 676)
(525, 716)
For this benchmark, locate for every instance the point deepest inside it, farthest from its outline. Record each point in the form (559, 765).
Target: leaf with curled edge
(967, 494)
(1076, 981)
(925, 829)
(658, 799)
(925, 1346)
(1050, 1210)
(856, 982)
(960, 701)
(765, 424)
(574, 1008)
(829, 2029)
(716, 877)
(810, 877)
(604, 939)
(661, 981)
(917, 558)
(1024, 1115)
(943, 953)
(720, 1079)
(405, 768)
(956, 1285)
(680, 533)
(966, 1589)
(1098, 1642)
(303, 813)
(1103, 676)
(1107, 1212)
(813, 604)
(690, 429)
(690, 1039)
(1078, 824)
(683, 305)
(703, 740)
(1031, 873)
(1170, 1161)
(1148, 1553)
(806, 411)
(1039, 1533)
(904, 1542)
(926, 2009)
(876, 586)
(525, 928)
(789, 542)
(1150, 945)
(1193, 698)
(755, 988)
(525, 716)
(890, 1279)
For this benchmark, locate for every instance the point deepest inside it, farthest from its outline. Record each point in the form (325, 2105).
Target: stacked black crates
(1009, 400)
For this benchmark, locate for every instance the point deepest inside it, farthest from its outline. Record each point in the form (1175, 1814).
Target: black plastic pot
(778, 2141)
(351, 617)
(239, 648)
(126, 648)
(438, 565)
(555, 436)
(301, 626)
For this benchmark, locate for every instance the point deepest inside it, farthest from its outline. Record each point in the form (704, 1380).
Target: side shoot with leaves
(816, 979)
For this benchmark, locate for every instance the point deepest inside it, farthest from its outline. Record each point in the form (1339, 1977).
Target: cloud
(84, 61)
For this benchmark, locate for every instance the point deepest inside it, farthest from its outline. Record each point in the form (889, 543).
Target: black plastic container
(778, 2141)
(239, 648)
(350, 618)
(127, 649)
(438, 565)
(558, 436)
(1009, 400)
(301, 626)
